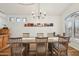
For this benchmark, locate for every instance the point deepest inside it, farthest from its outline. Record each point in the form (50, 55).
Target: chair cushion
(59, 46)
(18, 50)
(41, 49)
(32, 47)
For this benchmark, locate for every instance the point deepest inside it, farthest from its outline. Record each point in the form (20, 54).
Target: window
(17, 19)
(72, 25)
(12, 19)
(77, 27)
(24, 19)
(69, 27)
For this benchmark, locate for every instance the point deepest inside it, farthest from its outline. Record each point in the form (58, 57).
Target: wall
(75, 7)
(2, 20)
(17, 29)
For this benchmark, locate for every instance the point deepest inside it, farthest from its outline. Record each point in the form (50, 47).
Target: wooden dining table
(27, 41)
(32, 40)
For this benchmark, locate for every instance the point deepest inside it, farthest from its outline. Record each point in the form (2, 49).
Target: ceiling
(53, 9)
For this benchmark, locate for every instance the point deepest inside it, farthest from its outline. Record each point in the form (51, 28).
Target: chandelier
(40, 15)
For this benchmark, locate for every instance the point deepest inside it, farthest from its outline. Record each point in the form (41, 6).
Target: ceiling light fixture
(41, 15)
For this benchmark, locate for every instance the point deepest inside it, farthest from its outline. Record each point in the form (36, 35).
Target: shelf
(38, 25)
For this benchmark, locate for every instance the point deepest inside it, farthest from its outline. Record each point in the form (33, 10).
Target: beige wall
(18, 28)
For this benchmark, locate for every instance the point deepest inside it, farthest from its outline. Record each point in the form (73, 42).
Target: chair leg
(59, 53)
(46, 53)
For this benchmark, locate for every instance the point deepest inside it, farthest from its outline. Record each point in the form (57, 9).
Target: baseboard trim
(74, 45)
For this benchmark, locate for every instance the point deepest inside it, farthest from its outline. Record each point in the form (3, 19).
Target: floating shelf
(38, 25)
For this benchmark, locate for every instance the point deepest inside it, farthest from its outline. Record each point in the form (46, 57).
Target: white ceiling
(19, 9)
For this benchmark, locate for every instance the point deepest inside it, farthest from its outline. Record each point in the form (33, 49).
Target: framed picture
(19, 19)
(38, 25)
(25, 25)
(24, 19)
(12, 19)
(51, 24)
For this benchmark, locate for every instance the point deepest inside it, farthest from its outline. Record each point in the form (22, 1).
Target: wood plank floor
(71, 52)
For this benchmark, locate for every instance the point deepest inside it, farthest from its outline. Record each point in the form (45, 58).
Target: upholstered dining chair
(64, 34)
(31, 48)
(17, 48)
(40, 34)
(49, 35)
(61, 47)
(54, 33)
(41, 46)
(27, 46)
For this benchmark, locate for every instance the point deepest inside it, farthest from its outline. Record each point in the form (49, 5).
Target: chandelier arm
(39, 12)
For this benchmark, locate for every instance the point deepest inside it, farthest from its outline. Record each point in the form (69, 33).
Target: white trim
(74, 45)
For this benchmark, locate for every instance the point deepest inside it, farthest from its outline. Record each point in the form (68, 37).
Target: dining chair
(64, 34)
(54, 33)
(27, 46)
(17, 48)
(41, 46)
(61, 47)
(30, 47)
(49, 35)
(40, 34)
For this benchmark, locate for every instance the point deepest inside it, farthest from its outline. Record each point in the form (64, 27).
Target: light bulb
(44, 13)
(32, 13)
(40, 10)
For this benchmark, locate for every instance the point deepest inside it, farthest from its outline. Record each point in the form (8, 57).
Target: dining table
(27, 41)
(32, 40)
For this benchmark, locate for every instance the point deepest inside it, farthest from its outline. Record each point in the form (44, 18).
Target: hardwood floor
(72, 52)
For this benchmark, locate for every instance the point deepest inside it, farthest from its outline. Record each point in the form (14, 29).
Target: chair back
(64, 34)
(40, 34)
(54, 33)
(15, 45)
(41, 45)
(26, 35)
(61, 46)
(64, 41)
(50, 35)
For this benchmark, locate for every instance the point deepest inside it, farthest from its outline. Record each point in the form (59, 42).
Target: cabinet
(1, 39)
(4, 31)
(4, 37)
